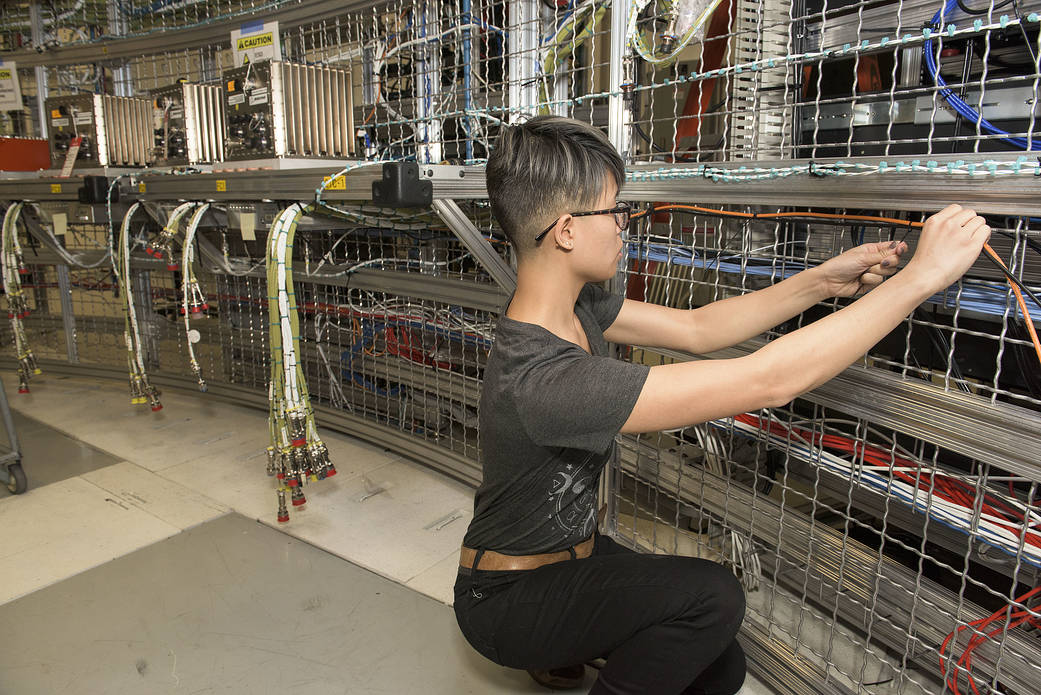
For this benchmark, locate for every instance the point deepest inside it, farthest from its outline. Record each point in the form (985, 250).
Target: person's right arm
(677, 395)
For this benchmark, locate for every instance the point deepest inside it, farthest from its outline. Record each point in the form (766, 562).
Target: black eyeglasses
(622, 213)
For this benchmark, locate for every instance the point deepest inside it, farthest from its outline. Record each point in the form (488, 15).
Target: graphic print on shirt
(573, 497)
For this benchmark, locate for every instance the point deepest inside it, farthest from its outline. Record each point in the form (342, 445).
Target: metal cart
(11, 473)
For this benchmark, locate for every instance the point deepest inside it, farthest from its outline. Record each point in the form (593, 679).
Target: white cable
(187, 277)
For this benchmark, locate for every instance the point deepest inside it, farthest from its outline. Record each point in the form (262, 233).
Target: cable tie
(1034, 17)
(883, 41)
(1003, 21)
(927, 32)
(977, 25)
(864, 44)
(846, 48)
(951, 29)
(908, 38)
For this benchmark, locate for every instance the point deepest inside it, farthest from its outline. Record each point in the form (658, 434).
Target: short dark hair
(547, 166)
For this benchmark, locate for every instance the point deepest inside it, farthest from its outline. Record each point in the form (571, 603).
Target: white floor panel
(398, 520)
(438, 581)
(156, 495)
(62, 529)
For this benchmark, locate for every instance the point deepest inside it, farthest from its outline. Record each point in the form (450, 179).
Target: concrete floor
(145, 558)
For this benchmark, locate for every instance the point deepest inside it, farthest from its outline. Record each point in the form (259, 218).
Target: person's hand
(950, 243)
(860, 268)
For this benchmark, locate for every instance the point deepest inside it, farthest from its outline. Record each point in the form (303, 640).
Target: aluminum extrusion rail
(1001, 434)
(216, 33)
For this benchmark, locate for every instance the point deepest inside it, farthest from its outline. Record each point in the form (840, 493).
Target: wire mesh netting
(884, 525)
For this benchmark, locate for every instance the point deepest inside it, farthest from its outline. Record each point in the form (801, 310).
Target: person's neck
(546, 296)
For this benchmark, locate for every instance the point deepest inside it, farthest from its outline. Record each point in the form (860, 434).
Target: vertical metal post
(68, 317)
(617, 123)
(467, 77)
(41, 71)
(523, 58)
(117, 26)
(428, 83)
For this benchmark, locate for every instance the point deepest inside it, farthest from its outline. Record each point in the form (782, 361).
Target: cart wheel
(17, 483)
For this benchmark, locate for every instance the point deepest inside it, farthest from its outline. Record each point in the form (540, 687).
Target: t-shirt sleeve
(601, 304)
(579, 401)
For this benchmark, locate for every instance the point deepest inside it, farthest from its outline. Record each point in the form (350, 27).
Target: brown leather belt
(491, 560)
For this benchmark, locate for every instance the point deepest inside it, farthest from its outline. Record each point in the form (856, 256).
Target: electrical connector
(283, 512)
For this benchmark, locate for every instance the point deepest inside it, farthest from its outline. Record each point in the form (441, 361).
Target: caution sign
(248, 42)
(254, 41)
(10, 89)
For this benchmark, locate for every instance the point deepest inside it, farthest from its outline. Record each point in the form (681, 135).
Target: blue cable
(982, 299)
(956, 102)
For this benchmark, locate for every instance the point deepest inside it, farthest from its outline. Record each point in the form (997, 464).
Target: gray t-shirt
(549, 413)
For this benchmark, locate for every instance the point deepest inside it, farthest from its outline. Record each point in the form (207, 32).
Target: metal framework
(884, 525)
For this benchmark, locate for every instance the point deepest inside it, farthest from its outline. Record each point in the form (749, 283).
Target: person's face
(598, 240)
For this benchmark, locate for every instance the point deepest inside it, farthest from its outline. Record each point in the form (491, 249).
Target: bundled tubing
(141, 391)
(13, 267)
(296, 454)
(193, 302)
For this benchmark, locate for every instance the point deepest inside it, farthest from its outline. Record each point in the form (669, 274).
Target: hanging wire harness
(296, 453)
(17, 306)
(141, 390)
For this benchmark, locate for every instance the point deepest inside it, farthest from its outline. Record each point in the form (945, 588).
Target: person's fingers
(962, 217)
(974, 224)
(869, 280)
(984, 232)
(885, 268)
(947, 212)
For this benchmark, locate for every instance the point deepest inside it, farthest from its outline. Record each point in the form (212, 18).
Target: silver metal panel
(328, 80)
(218, 125)
(349, 110)
(335, 112)
(190, 95)
(307, 142)
(144, 113)
(312, 87)
(290, 98)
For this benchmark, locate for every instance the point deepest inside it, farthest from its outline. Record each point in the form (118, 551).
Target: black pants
(665, 624)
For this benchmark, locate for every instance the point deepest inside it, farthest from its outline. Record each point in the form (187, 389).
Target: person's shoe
(564, 678)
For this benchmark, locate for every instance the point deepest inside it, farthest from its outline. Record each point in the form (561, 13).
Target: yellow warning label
(141, 187)
(55, 188)
(260, 40)
(337, 184)
(55, 113)
(5, 74)
(222, 185)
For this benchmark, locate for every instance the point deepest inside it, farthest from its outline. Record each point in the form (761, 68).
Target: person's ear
(563, 234)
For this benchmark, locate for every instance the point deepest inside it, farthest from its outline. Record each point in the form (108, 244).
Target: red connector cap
(299, 442)
(281, 476)
(172, 267)
(196, 309)
(331, 472)
(293, 482)
(157, 407)
(23, 271)
(23, 389)
(150, 251)
(24, 314)
(283, 518)
(300, 501)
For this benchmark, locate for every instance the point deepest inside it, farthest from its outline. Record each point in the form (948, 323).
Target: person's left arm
(736, 319)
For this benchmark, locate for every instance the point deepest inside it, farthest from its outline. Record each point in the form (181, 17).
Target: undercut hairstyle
(544, 168)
